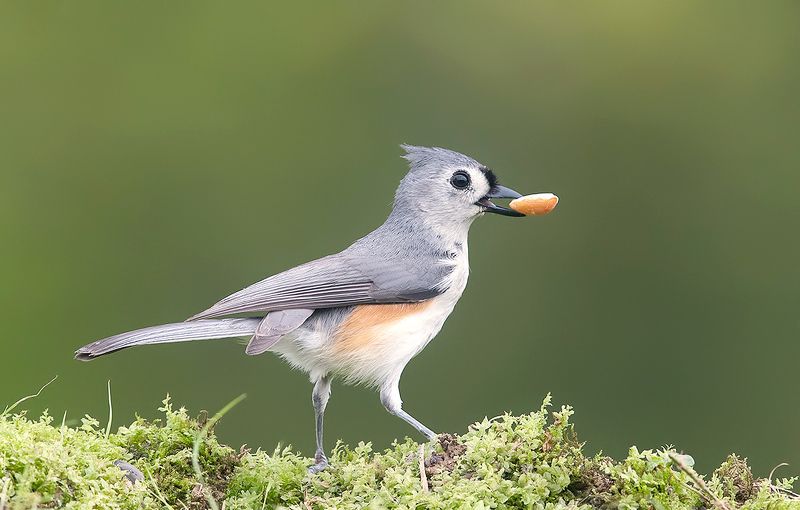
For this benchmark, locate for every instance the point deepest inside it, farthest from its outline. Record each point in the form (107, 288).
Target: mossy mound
(530, 461)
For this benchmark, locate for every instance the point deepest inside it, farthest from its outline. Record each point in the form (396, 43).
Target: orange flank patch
(362, 326)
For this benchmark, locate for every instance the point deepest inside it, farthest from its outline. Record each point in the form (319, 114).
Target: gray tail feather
(168, 333)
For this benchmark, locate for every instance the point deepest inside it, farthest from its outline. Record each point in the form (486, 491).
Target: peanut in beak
(538, 204)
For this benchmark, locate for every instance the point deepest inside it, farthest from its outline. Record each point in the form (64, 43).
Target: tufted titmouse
(363, 313)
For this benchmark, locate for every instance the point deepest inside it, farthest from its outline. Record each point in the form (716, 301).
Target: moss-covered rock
(529, 461)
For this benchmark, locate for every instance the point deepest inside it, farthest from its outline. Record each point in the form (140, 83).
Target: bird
(360, 315)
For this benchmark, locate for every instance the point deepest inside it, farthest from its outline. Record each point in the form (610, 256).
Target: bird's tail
(168, 333)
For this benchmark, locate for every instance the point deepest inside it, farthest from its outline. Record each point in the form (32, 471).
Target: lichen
(508, 462)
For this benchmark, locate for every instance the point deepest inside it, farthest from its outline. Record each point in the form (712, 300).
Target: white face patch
(479, 185)
(462, 187)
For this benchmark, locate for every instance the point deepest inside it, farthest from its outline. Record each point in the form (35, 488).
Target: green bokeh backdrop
(155, 156)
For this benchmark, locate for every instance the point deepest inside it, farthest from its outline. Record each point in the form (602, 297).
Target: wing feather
(329, 282)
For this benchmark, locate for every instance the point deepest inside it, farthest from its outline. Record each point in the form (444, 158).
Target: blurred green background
(156, 156)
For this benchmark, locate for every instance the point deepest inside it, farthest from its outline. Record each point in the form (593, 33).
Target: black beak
(499, 192)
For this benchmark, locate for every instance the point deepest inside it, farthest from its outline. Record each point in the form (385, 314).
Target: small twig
(63, 427)
(694, 477)
(697, 491)
(422, 476)
(110, 410)
(779, 490)
(771, 473)
(10, 408)
(772, 487)
(156, 490)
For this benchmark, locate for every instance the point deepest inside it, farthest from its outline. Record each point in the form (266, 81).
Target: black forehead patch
(490, 177)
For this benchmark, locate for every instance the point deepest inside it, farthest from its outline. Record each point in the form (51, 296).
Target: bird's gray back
(402, 259)
(396, 263)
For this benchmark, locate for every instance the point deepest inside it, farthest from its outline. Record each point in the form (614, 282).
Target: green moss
(529, 461)
(46, 465)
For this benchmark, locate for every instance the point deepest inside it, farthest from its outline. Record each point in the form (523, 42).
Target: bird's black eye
(460, 179)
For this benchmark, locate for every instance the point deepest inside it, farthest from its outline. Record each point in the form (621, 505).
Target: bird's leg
(390, 398)
(319, 397)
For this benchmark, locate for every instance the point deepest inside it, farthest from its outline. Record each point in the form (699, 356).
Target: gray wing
(274, 326)
(337, 280)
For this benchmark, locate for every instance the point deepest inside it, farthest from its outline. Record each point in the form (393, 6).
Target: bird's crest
(424, 157)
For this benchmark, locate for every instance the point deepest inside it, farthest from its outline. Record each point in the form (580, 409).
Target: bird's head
(447, 187)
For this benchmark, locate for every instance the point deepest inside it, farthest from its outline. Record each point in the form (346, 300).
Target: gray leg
(319, 397)
(390, 398)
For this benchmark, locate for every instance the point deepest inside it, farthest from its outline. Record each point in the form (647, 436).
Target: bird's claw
(320, 463)
(131, 473)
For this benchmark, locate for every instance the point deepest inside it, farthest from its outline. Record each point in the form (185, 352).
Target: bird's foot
(320, 463)
(131, 473)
